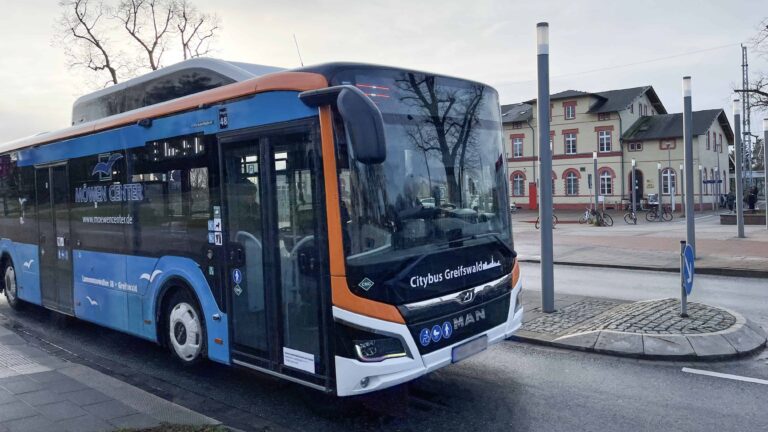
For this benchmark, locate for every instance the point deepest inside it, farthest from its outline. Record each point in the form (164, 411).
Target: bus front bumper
(354, 377)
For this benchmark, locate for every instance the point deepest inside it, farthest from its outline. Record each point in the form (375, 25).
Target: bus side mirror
(364, 125)
(362, 120)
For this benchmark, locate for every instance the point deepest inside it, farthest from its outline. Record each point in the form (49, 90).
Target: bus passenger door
(55, 248)
(275, 249)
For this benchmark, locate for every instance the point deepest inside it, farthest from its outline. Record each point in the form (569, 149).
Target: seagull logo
(28, 264)
(105, 168)
(91, 301)
(150, 278)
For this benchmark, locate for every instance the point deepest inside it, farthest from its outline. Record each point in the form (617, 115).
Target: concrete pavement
(648, 245)
(40, 392)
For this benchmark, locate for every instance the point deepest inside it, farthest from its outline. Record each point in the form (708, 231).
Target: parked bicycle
(597, 217)
(554, 221)
(630, 218)
(653, 214)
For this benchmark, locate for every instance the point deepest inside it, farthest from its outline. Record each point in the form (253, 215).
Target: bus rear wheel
(184, 328)
(10, 287)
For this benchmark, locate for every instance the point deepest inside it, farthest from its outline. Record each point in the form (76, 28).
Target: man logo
(466, 296)
(469, 319)
(104, 167)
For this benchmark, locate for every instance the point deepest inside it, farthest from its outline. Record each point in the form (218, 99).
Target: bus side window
(173, 216)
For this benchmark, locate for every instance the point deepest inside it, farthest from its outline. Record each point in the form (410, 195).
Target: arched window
(668, 181)
(606, 183)
(518, 184)
(571, 183)
(705, 186)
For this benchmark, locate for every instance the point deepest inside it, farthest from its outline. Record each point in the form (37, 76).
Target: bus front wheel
(185, 331)
(10, 287)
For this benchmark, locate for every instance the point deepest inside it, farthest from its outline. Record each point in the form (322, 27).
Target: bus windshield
(443, 183)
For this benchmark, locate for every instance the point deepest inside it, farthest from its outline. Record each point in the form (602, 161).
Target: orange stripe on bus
(345, 299)
(515, 273)
(341, 295)
(290, 81)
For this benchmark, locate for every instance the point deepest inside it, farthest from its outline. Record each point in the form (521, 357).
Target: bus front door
(54, 245)
(273, 236)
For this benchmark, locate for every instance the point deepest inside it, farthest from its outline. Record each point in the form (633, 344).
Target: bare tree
(84, 37)
(196, 30)
(759, 86)
(149, 23)
(91, 30)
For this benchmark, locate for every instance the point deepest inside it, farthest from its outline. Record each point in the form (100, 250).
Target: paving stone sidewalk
(39, 392)
(648, 245)
(646, 329)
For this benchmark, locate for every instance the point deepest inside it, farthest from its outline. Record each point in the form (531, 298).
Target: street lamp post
(682, 188)
(738, 161)
(597, 180)
(634, 187)
(690, 222)
(545, 172)
(661, 190)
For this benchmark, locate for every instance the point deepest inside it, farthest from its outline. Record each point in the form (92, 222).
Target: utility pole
(746, 120)
(690, 223)
(545, 171)
(739, 162)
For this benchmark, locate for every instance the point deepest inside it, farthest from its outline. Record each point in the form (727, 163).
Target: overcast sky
(595, 46)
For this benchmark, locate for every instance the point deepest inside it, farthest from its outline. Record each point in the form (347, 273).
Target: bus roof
(288, 80)
(246, 79)
(171, 82)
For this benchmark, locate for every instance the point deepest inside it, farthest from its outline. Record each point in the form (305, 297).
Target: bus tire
(10, 287)
(184, 328)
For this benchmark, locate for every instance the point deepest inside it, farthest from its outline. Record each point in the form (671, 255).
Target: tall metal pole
(661, 192)
(545, 172)
(739, 162)
(701, 190)
(634, 186)
(765, 168)
(682, 188)
(690, 224)
(594, 174)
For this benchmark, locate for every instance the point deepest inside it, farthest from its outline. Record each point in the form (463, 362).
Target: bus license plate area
(468, 349)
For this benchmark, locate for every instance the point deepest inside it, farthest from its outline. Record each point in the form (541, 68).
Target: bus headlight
(376, 350)
(368, 345)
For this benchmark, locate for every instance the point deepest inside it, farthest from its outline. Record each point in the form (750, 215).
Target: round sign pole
(683, 294)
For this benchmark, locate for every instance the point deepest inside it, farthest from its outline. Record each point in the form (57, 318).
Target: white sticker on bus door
(299, 360)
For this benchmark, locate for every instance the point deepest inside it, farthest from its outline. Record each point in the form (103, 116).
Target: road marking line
(726, 376)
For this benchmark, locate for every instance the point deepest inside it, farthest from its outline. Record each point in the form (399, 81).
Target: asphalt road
(511, 387)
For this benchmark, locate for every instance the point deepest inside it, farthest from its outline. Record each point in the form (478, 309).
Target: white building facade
(615, 126)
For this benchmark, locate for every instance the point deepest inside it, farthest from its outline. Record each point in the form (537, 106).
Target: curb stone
(741, 339)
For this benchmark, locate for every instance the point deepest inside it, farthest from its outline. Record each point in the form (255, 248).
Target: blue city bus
(344, 226)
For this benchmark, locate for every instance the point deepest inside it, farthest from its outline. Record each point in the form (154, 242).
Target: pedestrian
(752, 198)
(731, 201)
